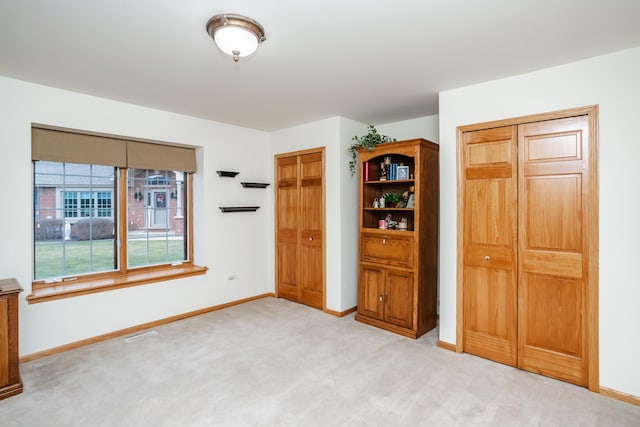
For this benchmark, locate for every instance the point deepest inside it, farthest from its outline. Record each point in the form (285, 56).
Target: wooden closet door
(490, 243)
(311, 231)
(553, 248)
(287, 206)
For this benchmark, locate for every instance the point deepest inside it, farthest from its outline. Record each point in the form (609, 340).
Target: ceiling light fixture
(235, 35)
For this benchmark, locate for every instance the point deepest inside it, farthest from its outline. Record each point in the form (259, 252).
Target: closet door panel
(311, 230)
(288, 224)
(490, 221)
(489, 314)
(552, 295)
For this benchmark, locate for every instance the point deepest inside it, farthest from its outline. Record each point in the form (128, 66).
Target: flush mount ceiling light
(235, 35)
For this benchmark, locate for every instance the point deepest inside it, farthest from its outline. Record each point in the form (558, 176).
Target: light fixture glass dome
(236, 39)
(235, 35)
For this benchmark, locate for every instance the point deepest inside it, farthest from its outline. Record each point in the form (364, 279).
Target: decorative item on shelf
(227, 174)
(391, 224)
(403, 200)
(226, 209)
(381, 202)
(382, 224)
(383, 171)
(375, 204)
(403, 172)
(254, 184)
(388, 168)
(402, 224)
(411, 201)
(368, 141)
(138, 195)
(391, 199)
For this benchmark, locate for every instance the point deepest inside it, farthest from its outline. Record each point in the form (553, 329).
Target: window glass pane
(74, 219)
(155, 222)
(104, 204)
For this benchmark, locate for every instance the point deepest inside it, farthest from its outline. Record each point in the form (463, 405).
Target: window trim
(123, 277)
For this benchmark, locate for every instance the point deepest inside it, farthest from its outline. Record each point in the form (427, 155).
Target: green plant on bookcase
(368, 141)
(391, 199)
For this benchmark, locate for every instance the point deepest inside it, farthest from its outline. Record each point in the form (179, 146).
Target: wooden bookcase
(398, 268)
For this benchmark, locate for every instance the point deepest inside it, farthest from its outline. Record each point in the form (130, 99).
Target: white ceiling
(372, 61)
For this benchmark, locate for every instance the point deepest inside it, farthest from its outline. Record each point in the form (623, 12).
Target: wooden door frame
(276, 157)
(591, 112)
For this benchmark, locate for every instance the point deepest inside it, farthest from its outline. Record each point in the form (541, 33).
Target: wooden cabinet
(386, 295)
(10, 382)
(397, 283)
(300, 227)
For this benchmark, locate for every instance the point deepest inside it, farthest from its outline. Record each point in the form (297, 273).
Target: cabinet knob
(384, 240)
(381, 297)
(310, 238)
(487, 258)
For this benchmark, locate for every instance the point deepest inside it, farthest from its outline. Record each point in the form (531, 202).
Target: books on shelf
(397, 172)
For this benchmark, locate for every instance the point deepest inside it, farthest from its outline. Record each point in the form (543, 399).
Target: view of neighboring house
(67, 192)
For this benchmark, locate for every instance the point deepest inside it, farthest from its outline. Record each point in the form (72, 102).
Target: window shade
(71, 147)
(144, 155)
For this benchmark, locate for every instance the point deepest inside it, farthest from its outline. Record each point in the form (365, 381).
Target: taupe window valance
(72, 147)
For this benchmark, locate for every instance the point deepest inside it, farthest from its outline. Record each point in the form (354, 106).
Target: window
(67, 240)
(155, 231)
(100, 226)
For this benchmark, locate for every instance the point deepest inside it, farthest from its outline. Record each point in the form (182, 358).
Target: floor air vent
(139, 336)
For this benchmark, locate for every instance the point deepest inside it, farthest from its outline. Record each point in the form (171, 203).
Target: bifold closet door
(490, 232)
(300, 228)
(525, 246)
(553, 248)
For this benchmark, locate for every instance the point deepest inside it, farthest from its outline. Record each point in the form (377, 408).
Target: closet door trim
(592, 226)
(276, 157)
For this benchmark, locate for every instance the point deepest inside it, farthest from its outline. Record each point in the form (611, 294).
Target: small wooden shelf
(390, 181)
(254, 184)
(226, 209)
(389, 209)
(227, 174)
(386, 231)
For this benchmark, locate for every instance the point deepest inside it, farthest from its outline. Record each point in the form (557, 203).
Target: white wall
(226, 243)
(423, 127)
(349, 215)
(612, 82)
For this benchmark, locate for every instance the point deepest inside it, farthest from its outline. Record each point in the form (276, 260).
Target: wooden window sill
(89, 286)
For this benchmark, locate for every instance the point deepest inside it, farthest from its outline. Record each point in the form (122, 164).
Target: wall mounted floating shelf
(239, 208)
(254, 184)
(227, 174)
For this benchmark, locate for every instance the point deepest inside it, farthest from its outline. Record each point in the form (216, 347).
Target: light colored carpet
(275, 363)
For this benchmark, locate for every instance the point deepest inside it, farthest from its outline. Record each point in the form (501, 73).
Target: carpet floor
(271, 362)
